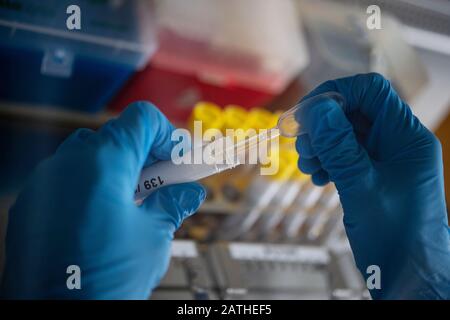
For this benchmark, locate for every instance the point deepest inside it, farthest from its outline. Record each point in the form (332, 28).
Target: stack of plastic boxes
(227, 52)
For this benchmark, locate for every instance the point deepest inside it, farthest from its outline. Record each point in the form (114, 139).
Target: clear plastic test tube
(166, 173)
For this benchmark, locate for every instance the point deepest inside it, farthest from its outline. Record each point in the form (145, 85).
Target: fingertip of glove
(191, 196)
(320, 178)
(146, 113)
(142, 106)
(327, 119)
(175, 203)
(304, 147)
(187, 197)
(309, 166)
(321, 115)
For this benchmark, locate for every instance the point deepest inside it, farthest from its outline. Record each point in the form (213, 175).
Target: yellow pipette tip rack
(210, 114)
(234, 117)
(259, 118)
(287, 163)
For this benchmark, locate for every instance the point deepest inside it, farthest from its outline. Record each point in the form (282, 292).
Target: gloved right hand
(388, 170)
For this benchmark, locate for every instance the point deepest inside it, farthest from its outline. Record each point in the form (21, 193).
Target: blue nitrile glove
(78, 209)
(388, 170)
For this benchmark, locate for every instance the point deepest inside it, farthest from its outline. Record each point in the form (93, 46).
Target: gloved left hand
(78, 209)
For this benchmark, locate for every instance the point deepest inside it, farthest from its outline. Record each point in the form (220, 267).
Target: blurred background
(230, 64)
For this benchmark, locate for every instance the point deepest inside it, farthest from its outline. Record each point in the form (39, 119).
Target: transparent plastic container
(254, 44)
(341, 45)
(43, 62)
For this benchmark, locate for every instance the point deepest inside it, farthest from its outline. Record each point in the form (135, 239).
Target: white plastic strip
(184, 249)
(280, 253)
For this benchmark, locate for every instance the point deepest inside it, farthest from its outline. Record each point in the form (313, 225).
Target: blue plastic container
(42, 62)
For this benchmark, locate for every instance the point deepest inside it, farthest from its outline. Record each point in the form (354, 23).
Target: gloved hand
(388, 170)
(78, 209)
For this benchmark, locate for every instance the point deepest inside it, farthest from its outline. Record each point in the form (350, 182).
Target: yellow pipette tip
(210, 114)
